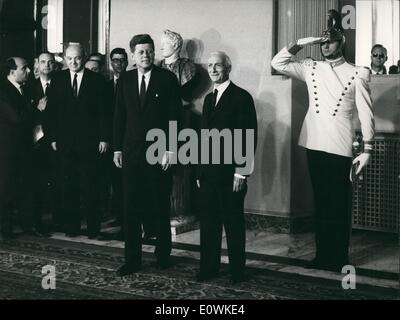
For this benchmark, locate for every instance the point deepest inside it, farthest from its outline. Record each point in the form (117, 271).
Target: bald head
(17, 70)
(74, 57)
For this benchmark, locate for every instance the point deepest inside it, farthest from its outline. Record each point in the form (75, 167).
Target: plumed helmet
(334, 32)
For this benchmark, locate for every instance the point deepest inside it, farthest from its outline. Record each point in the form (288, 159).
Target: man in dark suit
(16, 124)
(222, 187)
(147, 98)
(43, 161)
(119, 63)
(78, 128)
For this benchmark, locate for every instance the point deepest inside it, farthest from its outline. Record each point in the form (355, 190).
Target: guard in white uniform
(335, 89)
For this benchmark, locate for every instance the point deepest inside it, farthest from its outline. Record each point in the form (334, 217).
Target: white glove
(363, 159)
(309, 41)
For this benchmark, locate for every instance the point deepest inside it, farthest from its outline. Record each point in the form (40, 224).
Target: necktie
(46, 90)
(75, 86)
(116, 85)
(142, 92)
(214, 98)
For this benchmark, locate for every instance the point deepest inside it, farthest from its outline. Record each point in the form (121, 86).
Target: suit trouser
(117, 198)
(332, 197)
(146, 200)
(15, 185)
(43, 174)
(111, 180)
(222, 207)
(7, 195)
(79, 174)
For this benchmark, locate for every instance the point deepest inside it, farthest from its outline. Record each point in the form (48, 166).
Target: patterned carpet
(88, 272)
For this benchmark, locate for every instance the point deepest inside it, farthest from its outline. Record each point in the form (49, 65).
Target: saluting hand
(309, 41)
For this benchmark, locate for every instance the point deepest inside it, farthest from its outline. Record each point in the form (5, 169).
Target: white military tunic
(335, 88)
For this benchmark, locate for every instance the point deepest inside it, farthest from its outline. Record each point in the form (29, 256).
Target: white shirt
(335, 89)
(221, 88)
(147, 76)
(78, 78)
(44, 84)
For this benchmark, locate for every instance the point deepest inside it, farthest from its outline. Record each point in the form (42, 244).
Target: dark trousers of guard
(146, 200)
(79, 173)
(332, 197)
(220, 206)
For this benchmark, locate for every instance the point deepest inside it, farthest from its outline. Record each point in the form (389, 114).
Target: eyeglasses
(375, 55)
(116, 60)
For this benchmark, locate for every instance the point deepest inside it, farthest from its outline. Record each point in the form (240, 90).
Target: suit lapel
(84, 83)
(150, 92)
(222, 103)
(68, 81)
(39, 89)
(207, 110)
(134, 90)
(14, 95)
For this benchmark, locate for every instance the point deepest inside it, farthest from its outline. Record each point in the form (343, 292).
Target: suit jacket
(235, 110)
(78, 123)
(36, 93)
(132, 122)
(16, 125)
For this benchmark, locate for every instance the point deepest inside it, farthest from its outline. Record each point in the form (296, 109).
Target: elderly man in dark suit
(16, 124)
(147, 98)
(222, 186)
(79, 130)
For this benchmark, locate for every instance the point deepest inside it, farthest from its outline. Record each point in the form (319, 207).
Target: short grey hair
(78, 45)
(225, 58)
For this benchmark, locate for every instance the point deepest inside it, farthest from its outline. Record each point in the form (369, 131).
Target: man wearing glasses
(378, 59)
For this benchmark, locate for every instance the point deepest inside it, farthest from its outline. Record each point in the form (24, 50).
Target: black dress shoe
(33, 233)
(120, 236)
(72, 234)
(238, 278)
(125, 270)
(204, 276)
(7, 236)
(314, 264)
(114, 223)
(163, 264)
(94, 236)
